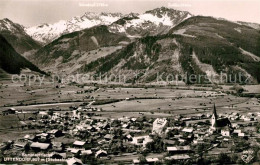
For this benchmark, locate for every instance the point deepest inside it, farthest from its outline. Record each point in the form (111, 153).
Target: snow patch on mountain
(46, 33)
(157, 21)
(8, 25)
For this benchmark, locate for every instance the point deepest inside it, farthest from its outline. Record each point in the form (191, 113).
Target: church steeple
(214, 117)
(214, 112)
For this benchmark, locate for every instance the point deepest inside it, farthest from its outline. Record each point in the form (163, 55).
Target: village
(81, 136)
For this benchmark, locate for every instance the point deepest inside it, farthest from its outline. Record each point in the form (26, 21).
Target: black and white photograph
(130, 82)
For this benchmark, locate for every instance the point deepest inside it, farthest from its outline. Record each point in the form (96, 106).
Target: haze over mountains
(159, 40)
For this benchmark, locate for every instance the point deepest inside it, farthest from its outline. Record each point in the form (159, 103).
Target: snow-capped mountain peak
(8, 25)
(46, 33)
(150, 21)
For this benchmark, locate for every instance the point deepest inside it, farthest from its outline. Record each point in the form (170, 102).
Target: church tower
(214, 117)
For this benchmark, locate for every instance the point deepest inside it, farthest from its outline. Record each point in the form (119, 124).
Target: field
(116, 102)
(10, 126)
(18, 94)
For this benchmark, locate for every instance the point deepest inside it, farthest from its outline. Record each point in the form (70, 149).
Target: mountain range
(159, 40)
(151, 22)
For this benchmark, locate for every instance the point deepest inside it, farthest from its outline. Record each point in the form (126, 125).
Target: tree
(258, 128)
(240, 145)
(27, 148)
(89, 159)
(156, 145)
(223, 159)
(50, 112)
(239, 89)
(142, 159)
(118, 133)
(201, 149)
(234, 158)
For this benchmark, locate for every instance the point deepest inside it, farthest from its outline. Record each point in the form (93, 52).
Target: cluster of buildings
(78, 136)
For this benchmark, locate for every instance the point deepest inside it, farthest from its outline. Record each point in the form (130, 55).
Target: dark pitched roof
(223, 122)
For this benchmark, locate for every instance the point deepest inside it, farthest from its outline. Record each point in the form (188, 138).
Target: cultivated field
(117, 102)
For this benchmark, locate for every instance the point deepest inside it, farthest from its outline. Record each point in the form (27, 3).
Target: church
(220, 125)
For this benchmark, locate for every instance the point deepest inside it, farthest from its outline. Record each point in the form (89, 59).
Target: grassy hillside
(11, 61)
(219, 43)
(198, 45)
(73, 45)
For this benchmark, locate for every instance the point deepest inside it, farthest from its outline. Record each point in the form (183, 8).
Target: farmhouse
(57, 146)
(40, 146)
(101, 153)
(79, 144)
(74, 161)
(178, 157)
(86, 152)
(152, 160)
(55, 133)
(142, 140)
(178, 149)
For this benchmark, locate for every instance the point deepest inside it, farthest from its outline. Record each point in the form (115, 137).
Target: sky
(35, 12)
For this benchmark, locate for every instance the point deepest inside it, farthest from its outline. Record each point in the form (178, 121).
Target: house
(29, 137)
(76, 114)
(142, 140)
(127, 137)
(79, 144)
(91, 129)
(178, 157)
(8, 111)
(125, 125)
(59, 155)
(57, 146)
(178, 149)
(101, 153)
(86, 152)
(136, 161)
(169, 142)
(40, 146)
(108, 137)
(158, 125)
(43, 137)
(152, 160)
(55, 133)
(74, 161)
(19, 144)
(43, 113)
(56, 116)
(187, 130)
(73, 150)
(225, 131)
(241, 134)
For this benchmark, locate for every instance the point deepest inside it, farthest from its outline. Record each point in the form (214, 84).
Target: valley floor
(41, 109)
